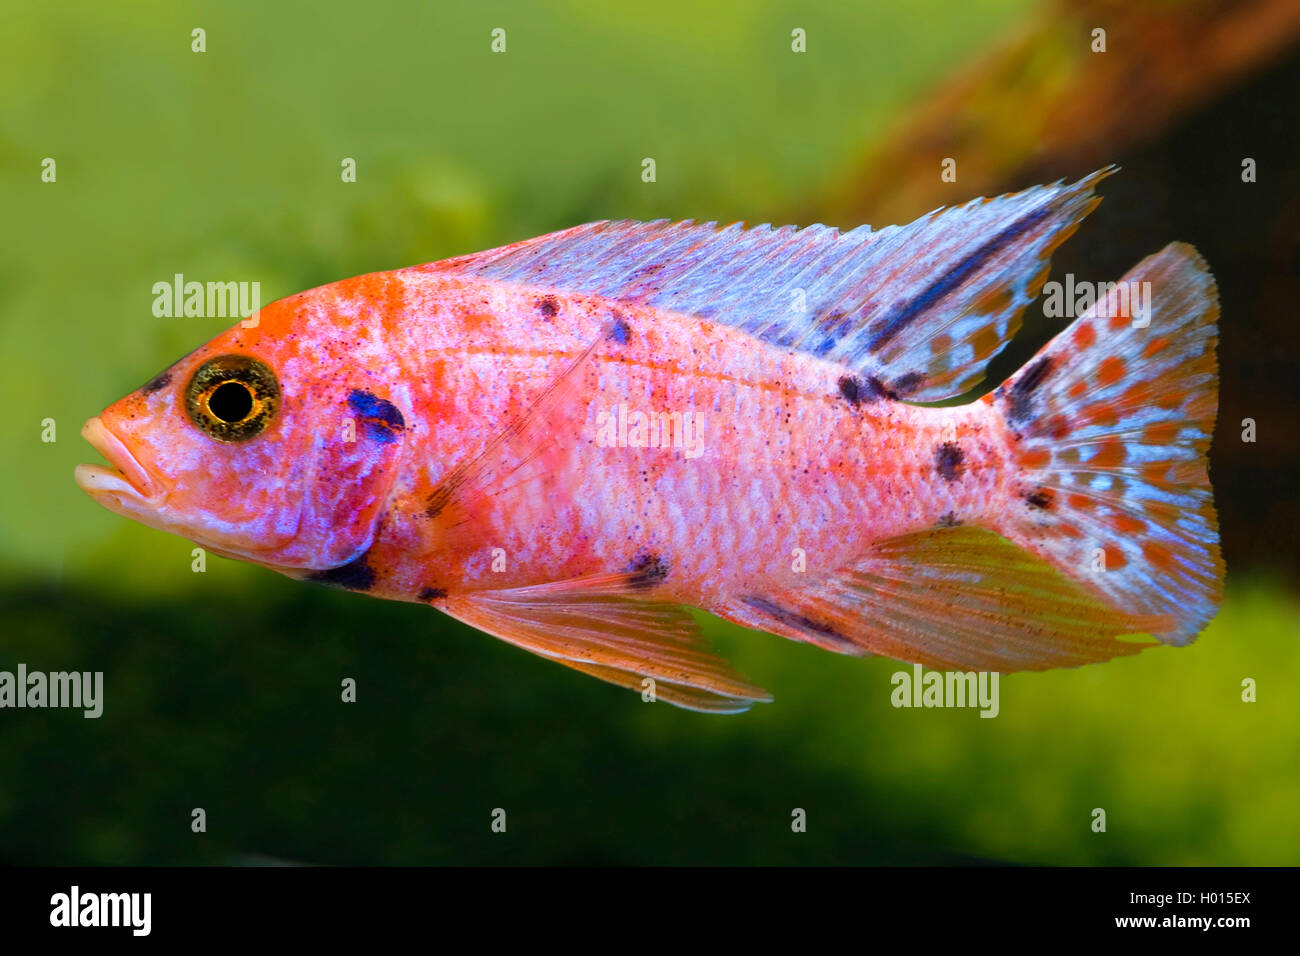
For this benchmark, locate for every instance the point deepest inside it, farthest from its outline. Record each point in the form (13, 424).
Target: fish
(571, 441)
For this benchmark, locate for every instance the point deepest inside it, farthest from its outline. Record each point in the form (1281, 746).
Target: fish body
(787, 461)
(564, 441)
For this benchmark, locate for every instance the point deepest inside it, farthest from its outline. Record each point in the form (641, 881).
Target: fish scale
(815, 480)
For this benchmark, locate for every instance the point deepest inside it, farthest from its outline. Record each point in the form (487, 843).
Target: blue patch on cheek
(378, 432)
(380, 419)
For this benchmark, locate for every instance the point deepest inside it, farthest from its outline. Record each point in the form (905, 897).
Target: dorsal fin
(916, 310)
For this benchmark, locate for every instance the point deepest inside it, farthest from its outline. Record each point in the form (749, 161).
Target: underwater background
(222, 688)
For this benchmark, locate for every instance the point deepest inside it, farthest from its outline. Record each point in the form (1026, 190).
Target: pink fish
(564, 441)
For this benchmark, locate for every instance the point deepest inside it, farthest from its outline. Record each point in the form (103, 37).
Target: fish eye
(232, 397)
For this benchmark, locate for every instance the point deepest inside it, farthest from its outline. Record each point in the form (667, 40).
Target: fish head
(260, 446)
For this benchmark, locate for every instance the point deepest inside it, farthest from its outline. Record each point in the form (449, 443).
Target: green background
(222, 688)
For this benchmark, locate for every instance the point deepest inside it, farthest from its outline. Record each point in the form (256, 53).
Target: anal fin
(954, 599)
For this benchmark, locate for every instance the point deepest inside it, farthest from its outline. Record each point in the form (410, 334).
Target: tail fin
(1110, 423)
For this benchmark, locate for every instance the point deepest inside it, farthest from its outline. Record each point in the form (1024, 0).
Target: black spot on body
(432, 594)
(355, 576)
(874, 388)
(548, 306)
(947, 460)
(851, 389)
(646, 570)
(857, 390)
(1020, 397)
(948, 520)
(1042, 498)
(158, 381)
(620, 330)
(380, 418)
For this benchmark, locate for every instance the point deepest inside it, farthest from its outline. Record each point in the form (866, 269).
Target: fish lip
(124, 476)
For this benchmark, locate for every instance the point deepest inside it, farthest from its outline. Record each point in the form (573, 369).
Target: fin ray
(959, 598)
(921, 308)
(1112, 422)
(518, 459)
(596, 626)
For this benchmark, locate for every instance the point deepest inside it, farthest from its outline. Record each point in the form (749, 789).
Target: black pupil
(231, 402)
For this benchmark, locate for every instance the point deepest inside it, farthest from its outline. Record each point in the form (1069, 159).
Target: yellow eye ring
(232, 398)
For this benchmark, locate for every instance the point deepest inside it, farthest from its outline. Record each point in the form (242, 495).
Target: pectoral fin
(519, 460)
(597, 626)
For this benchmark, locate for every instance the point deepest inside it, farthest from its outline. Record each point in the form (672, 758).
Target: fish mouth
(125, 479)
(125, 487)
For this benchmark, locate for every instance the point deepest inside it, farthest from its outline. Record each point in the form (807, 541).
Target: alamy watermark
(207, 300)
(619, 427)
(920, 688)
(79, 689)
(1070, 299)
(128, 910)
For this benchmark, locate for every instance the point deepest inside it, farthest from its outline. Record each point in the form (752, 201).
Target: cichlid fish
(565, 441)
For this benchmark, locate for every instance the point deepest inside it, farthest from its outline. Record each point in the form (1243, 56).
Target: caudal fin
(1111, 422)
